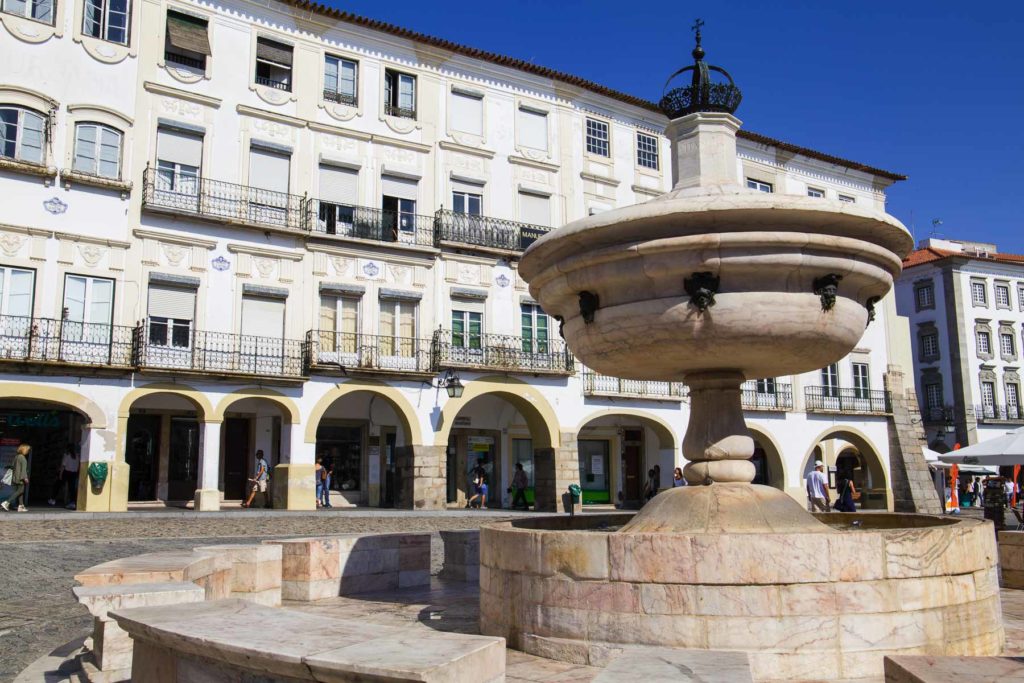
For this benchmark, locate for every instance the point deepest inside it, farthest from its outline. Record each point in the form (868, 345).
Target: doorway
(183, 460)
(593, 460)
(633, 464)
(142, 453)
(236, 456)
(467, 449)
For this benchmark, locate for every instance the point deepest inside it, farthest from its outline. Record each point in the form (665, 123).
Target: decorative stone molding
(69, 177)
(47, 173)
(174, 249)
(1006, 327)
(167, 91)
(465, 149)
(984, 326)
(926, 283)
(924, 330)
(970, 291)
(32, 31)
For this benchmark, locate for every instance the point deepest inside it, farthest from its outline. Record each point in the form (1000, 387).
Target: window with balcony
(984, 341)
(467, 114)
(988, 399)
(930, 345)
(179, 156)
(647, 151)
(399, 94)
(22, 134)
(979, 295)
(925, 297)
(1002, 296)
(815, 192)
(759, 185)
(533, 128)
(341, 80)
(534, 324)
(88, 308)
(765, 386)
(597, 138)
(339, 325)
(269, 174)
(106, 20)
(188, 41)
(98, 150)
(465, 200)
(1007, 345)
(397, 328)
(399, 204)
(171, 313)
(1013, 400)
(467, 329)
(17, 287)
(339, 193)
(830, 381)
(37, 10)
(273, 64)
(861, 381)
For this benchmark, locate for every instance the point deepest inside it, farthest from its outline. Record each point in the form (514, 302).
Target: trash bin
(994, 501)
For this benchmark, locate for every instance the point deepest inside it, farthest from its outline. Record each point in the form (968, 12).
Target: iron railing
(400, 112)
(47, 340)
(272, 83)
(363, 222)
(501, 352)
(341, 98)
(182, 60)
(595, 384)
(484, 231)
(159, 345)
(998, 413)
(846, 400)
(774, 396)
(326, 350)
(220, 200)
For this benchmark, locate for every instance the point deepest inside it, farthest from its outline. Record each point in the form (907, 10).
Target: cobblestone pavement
(38, 560)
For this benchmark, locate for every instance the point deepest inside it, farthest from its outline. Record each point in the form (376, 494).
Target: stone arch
(667, 438)
(95, 416)
(403, 409)
(287, 405)
(778, 476)
(869, 453)
(540, 418)
(195, 397)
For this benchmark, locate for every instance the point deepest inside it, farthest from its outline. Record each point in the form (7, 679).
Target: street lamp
(452, 384)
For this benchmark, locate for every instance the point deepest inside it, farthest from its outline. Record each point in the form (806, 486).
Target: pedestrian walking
(68, 477)
(519, 483)
(19, 479)
(478, 484)
(651, 487)
(844, 497)
(259, 481)
(326, 474)
(318, 471)
(817, 489)
(678, 479)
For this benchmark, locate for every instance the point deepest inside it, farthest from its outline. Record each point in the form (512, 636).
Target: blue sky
(933, 90)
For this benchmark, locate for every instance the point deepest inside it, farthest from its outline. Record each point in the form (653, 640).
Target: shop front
(51, 432)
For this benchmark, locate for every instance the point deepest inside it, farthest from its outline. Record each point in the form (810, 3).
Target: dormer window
(273, 64)
(188, 41)
(399, 94)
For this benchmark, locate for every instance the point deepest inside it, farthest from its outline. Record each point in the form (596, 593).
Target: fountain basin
(826, 605)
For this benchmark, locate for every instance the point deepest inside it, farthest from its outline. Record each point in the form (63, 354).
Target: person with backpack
(18, 479)
(326, 474)
(519, 483)
(259, 482)
(844, 500)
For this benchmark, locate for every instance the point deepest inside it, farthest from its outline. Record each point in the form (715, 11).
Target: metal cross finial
(696, 28)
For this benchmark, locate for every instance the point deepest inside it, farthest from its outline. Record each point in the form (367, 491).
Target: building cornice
(532, 163)
(236, 248)
(167, 91)
(175, 238)
(465, 149)
(246, 110)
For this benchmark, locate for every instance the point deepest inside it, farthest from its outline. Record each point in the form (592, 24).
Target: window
(341, 77)
(22, 134)
(597, 138)
(467, 329)
(930, 345)
(179, 156)
(978, 294)
(466, 202)
(925, 297)
(847, 198)
(535, 326)
(1012, 401)
(815, 192)
(984, 343)
(533, 129)
(647, 151)
(171, 313)
(397, 327)
(1003, 296)
(765, 386)
(759, 185)
(106, 20)
(187, 42)
(933, 396)
(830, 380)
(1020, 297)
(269, 172)
(338, 195)
(534, 209)
(399, 204)
(37, 10)
(861, 382)
(339, 323)
(1006, 345)
(988, 399)
(262, 318)
(399, 94)
(97, 150)
(17, 286)
(88, 308)
(467, 113)
(273, 64)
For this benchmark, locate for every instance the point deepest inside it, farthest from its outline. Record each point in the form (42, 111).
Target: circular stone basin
(826, 605)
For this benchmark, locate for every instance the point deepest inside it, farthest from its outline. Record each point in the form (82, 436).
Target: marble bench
(231, 640)
(926, 669)
(668, 665)
(1011, 558)
(211, 571)
(461, 555)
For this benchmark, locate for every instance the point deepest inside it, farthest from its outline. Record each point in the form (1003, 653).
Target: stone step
(667, 665)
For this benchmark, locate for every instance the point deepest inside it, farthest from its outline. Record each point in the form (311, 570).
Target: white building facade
(235, 226)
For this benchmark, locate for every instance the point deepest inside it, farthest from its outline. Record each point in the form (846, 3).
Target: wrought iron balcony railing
(400, 112)
(182, 60)
(366, 223)
(46, 340)
(998, 413)
(272, 83)
(595, 384)
(772, 396)
(484, 231)
(846, 400)
(501, 352)
(161, 344)
(326, 350)
(219, 200)
(341, 98)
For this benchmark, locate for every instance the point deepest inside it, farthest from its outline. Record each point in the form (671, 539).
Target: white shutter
(268, 170)
(74, 298)
(172, 302)
(101, 301)
(467, 113)
(535, 209)
(533, 129)
(339, 185)
(402, 188)
(469, 188)
(178, 147)
(262, 317)
(19, 300)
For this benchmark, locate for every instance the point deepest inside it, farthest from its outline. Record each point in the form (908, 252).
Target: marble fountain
(712, 284)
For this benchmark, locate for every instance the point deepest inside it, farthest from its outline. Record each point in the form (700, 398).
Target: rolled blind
(172, 302)
(273, 51)
(467, 113)
(188, 33)
(339, 185)
(535, 209)
(179, 147)
(402, 188)
(262, 317)
(533, 129)
(268, 170)
(471, 188)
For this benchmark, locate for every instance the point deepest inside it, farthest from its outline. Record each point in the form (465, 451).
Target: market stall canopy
(1002, 450)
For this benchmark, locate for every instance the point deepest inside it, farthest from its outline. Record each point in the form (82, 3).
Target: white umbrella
(932, 458)
(1002, 450)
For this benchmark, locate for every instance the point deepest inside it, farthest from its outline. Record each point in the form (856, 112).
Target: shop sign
(480, 444)
(38, 420)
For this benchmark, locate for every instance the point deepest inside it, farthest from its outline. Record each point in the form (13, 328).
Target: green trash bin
(575, 495)
(97, 472)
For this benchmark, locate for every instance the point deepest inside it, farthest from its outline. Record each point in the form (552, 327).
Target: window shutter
(339, 185)
(262, 317)
(533, 129)
(19, 301)
(188, 33)
(402, 188)
(349, 315)
(179, 147)
(331, 74)
(172, 302)
(85, 148)
(467, 113)
(386, 324)
(534, 209)
(328, 313)
(101, 303)
(406, 92)
(74, 298)
(32, 137)
(469, 188)
(407, 320)
(347, 77)
(268, 170)
(110, 153)
(272, 51)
